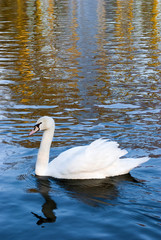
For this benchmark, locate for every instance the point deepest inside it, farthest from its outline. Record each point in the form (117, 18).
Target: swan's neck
(43, 153)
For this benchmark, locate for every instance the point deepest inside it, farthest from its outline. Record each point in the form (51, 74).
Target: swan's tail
(127, 164)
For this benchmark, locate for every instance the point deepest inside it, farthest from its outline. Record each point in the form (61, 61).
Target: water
(95, 67)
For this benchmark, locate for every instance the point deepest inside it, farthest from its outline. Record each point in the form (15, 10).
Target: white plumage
(100, 159)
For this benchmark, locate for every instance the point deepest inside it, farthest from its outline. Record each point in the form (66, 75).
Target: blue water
(95, 67)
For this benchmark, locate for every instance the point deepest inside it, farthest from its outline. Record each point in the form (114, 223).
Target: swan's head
(42, 124)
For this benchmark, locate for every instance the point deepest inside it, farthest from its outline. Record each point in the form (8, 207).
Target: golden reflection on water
(124, 19)
(74, 56)
(23, 62)
(124, 27)
(155, 38)
(73, 50)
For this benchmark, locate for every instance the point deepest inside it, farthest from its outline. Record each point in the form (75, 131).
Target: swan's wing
(95, 157)
(103, 153)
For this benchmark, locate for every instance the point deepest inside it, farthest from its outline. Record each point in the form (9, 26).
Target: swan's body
(100, 159)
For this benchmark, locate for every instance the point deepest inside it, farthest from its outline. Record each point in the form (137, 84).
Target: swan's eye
(37, 126)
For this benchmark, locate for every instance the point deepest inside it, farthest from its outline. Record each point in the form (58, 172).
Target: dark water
(95, 67)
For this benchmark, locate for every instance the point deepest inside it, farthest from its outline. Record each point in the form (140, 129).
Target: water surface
(95, 67)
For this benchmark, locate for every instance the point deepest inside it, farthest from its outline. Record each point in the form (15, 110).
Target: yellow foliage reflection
(74, 49)
(155, 37)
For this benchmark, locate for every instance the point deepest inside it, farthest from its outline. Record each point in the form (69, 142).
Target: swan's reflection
(96, 192)
(43, 185)
(92, 192)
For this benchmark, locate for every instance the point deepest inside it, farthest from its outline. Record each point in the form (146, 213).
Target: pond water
(95, 67)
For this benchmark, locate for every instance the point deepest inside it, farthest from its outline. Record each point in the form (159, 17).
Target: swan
(98, 160)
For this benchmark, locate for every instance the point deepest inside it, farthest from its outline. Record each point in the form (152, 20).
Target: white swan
(100, 159)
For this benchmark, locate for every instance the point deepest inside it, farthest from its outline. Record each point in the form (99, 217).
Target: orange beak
(36, 129)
